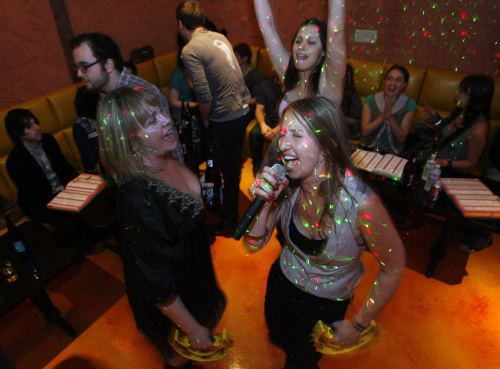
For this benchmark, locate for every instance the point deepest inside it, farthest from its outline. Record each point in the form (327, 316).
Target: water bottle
(433, 177)
(428, 166)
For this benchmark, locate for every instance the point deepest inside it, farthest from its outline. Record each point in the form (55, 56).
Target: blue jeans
(227, 140)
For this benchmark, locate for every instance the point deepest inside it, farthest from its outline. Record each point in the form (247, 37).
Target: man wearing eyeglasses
(99, 64)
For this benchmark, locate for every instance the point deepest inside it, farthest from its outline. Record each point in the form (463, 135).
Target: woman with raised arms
(317, 62)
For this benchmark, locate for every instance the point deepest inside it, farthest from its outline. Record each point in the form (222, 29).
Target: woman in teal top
(388, 115)
(181, 89)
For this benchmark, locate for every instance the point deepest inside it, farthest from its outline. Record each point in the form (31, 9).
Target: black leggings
(291, 315)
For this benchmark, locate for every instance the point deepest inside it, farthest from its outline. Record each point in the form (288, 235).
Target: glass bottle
(409, 172)
(214, 197)
(16, 237)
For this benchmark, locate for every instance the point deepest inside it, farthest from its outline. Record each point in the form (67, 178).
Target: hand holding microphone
(267, 186)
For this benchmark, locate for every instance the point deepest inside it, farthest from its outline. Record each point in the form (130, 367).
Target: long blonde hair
(121, 114)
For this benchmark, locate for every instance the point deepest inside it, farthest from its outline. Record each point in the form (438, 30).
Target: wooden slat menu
(387, 165)
(472, 197)
(78, 193)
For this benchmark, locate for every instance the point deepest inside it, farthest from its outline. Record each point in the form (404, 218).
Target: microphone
(256, 205)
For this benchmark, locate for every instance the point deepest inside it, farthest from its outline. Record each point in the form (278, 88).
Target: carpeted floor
(449, 321)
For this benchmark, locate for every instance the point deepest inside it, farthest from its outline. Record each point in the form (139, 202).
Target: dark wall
(447, 34)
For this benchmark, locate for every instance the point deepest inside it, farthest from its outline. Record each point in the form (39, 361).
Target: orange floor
(449, 321)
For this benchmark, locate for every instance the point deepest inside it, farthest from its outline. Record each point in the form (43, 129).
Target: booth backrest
(57, 114)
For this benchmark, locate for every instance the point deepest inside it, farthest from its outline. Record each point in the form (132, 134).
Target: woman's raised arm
(277, 51)
(332, 75)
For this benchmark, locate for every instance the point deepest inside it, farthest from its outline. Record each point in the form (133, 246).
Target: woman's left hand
(205, 185)
(345, 333)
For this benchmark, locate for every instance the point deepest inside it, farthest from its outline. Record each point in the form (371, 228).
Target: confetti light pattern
(453, 35)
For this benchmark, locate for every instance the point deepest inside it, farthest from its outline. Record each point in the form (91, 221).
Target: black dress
(166, 252)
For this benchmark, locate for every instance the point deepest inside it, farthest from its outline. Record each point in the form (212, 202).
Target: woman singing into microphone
(326, 218)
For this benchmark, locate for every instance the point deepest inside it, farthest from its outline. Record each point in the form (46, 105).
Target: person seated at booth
(351, 106)
(461, 140)
(85, 129)
(40, 171)
(181, 90)
(252, 76)
(461, 137)
(388, 115)
(266, 115)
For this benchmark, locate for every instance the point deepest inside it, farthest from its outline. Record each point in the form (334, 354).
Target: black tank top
(308, 245)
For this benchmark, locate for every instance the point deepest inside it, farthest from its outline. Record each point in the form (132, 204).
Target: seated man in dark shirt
(266, 114)
(40, 171)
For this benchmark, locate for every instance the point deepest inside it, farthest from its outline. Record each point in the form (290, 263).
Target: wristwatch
(449, 164)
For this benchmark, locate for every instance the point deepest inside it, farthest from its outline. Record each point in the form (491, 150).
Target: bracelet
(449, 164)
(357, 326)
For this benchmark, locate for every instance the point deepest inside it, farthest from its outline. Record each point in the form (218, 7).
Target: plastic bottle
(433, 177)
(428, 166)
(17, 239)
(214, 197)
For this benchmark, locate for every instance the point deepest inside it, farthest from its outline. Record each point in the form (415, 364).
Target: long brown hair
(325, 123)
(292, 74)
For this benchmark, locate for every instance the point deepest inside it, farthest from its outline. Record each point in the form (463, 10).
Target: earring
(321, 177)
(138, 157)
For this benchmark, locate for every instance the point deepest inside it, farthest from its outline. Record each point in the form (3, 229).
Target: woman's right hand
(200, 339)
(267, 186)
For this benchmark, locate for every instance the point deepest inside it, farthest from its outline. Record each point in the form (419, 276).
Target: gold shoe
(325, 342)
(181, 345)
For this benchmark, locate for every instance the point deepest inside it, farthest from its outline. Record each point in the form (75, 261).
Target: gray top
(335, 272)
(216, 75)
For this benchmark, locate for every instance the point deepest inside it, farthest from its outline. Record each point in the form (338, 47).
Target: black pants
(291, 315)
(227, 140)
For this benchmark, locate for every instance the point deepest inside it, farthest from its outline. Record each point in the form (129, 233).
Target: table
(415, 196)
(51, 259)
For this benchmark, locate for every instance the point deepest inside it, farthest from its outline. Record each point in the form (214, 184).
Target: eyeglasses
(84, 68)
